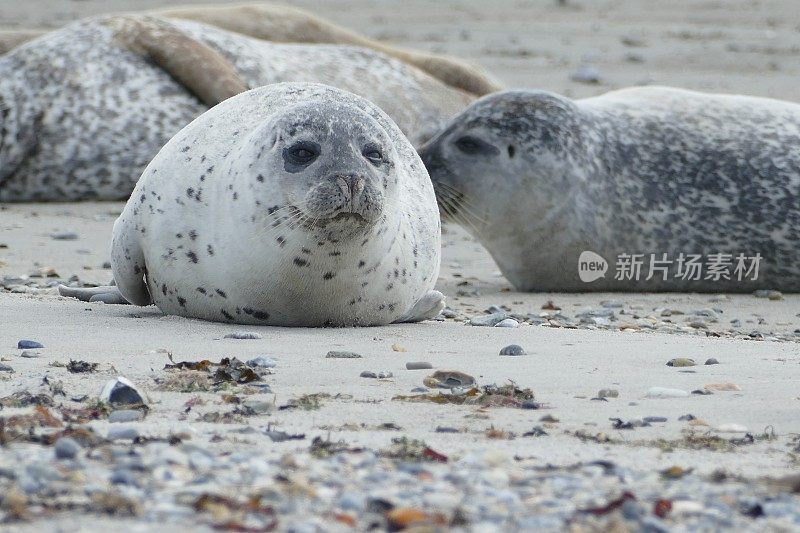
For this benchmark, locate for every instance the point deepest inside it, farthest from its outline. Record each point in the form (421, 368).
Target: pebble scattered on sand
(64, 236)
(244, 335)
(418, 365)
(711, 361)
(507, 323)
(586, 74)
(608, 393)
(664, 392)
(512, 349)
(681, 362)
(262, 362)
(29, 345)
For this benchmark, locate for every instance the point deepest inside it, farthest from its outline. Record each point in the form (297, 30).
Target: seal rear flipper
(427, 308)
(195, 65)
(107, 294)
(127, 261)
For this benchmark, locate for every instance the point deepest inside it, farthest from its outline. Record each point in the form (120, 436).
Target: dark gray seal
(662, 178)
(85, 108)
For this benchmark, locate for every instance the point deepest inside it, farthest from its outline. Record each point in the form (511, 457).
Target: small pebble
(385, 375)
(66, 448)
(663, 392)
(507, 323)
(608, 393)
(651, 419)
(398, 348)
(418, 365)
(731, 428)
(29, 345)
(64, 236)
(5, 368)
(125, 415)
(262, 362)
(122, 433)
(512, 349)
(712, 361)
(530, 404)
(687, 417)
(586, 74)
(30, 355)
(445, 429)
(368, 374)
(342, 355)
(244, 335)
(550, 418)
(725, 386)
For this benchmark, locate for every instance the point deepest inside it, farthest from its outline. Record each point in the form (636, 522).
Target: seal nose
(351, 185)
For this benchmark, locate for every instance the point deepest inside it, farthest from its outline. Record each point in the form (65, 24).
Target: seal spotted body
(290, 205)
(539, 178)
(85, 108)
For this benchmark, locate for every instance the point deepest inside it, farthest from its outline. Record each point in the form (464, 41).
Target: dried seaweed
(487, 396)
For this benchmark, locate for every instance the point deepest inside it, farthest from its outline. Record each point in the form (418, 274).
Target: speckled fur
(84, 114)
(641, 170)
(211, 229)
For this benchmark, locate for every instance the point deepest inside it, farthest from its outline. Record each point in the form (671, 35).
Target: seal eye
(302, 153)
(373, 153)
(472, 146)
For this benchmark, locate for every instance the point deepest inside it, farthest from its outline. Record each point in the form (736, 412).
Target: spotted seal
(290, 205)
(85, 108)
(280, 23)
(640, 177)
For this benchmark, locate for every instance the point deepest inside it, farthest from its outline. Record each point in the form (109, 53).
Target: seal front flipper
(197, 66)
(108, 294)
(427, 308)
(127, 261)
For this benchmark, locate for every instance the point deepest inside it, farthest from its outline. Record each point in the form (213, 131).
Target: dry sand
(734, 46)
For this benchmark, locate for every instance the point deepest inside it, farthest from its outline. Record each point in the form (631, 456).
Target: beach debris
(120, 393)
(508, 395)
(550, 306)
(323, 448)
(312, 402)
(681, 362)
(664, 392)
(608, 393)
(618, 423)
(398, 348)
(702, 392)
(406, 449)
(418, 365)
(769, 294)
(731, 428)
(25, 344)
(724, 386)
(662, 507)
(550, 419)
(537, 431)
(449, 379)
(228, 370)
(612, 505)
(402, 518)
(512, 349)
(26, 398)
(244, 335)
(79, 367)
(675, 472)
(282, 436)
(333, 354)
(64, 236)
(229, 514)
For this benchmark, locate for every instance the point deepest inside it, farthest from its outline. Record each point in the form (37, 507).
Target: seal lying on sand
(85, 108)
(290, 205)
(279, 23)
(674, 190)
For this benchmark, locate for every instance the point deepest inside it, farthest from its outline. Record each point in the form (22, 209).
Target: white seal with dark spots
(540, 179)
(292, 204)
(83, 109)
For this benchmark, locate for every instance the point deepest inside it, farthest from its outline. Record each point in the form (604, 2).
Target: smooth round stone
(608, 393)
(418, 365)
(512, 349)
(507, 323)
(653, 419)
(29, 345)
(30, 355)
(125, 415)
(712, 361)
(123, 476)
(66, 448)
(5, 368)
(262, 362)
(586, 74)
(351, 501)
(385, 375)
(122, 433)
(664, 392)
(244, 335)
(368, 374)
(681, 362)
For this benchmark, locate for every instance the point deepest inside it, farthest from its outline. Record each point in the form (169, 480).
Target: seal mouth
(349, 216)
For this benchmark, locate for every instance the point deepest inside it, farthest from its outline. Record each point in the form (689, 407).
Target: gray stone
(712, 361)
(488, 320)
(586, 74)
(66, 448)
(512, 349)
(64, 236)
(342, 355)
(507, 323)
(368, 374)
(122, 433)
(262, 362)
(244, 335)
(125, 415)
(418, 365)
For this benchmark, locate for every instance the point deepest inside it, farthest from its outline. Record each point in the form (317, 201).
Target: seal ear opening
(511, 151)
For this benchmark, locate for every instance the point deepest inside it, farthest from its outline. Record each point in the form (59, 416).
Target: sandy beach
(695, 447)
